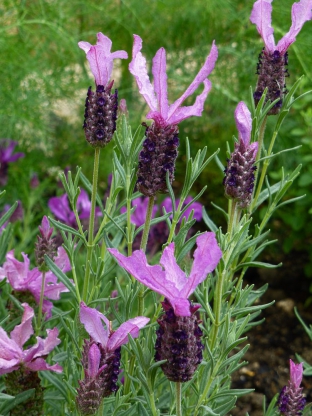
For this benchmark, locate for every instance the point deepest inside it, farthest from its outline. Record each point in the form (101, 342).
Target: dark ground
(279, 338)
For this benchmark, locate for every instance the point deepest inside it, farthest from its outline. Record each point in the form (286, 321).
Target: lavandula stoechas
(273, 59)
(159, 151)
(101, 357)
(178, 336)
(291, 401)
(101, 104)
(239, 172)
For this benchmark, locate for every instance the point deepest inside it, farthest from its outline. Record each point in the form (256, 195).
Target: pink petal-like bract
(243, 122)
(261, 17)
(172, 281)
(300, 13)
(100, 58)
(131, 327)
(296, 371)
(92, 321)
(156, 96)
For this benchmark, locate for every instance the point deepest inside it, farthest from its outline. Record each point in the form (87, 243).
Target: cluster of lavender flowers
(192, 320)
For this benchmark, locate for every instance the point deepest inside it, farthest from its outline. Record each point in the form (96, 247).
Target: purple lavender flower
(23, 279)
(60, 208)
(178, 336)
(195, 206)
(160, 146)
(101, 356)
(273, 58)
(45, 245)
(7, 147)
(101, 105)
(12, 355)
(138, 217)
(291, 401)
(239, 173)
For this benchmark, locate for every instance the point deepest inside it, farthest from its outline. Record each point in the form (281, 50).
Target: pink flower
(244, 126)
(23, 279)
(296, 371)
(261, 17)
(12, 355)
(172, 281)
(60, 208)
(156, 95)
(195, 206)
(93, 321)
(100, 58)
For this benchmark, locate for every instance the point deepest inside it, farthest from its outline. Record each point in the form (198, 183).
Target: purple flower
(156, 96)
(273, 59)
(160, 148)
(172, 281)
(59, 206)
(195, 206)
(138, 217)
(239, 173)
(7, 147)
(291, 401)
(101, 59)
(101, 356)
(45, 245)
(261, 17)
(111, 340)
(23, 279)
(12, 355)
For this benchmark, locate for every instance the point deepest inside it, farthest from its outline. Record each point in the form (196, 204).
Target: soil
(277, 339)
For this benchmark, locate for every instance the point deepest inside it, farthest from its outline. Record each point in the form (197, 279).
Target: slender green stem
(147, 222)
(175, 221)
(143, 247)
(264, 169)
(129, 224)
(100, 412)
(178, 399)
(91, 223)
(39, 320)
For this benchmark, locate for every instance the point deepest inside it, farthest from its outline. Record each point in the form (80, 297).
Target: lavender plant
(181, 322)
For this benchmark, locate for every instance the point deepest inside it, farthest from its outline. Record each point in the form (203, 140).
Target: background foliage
(44, 78)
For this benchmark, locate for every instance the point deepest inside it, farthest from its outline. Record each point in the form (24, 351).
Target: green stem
(147, 222)
(39, 320)
(91, 224)
(178, 399)
(143, 247)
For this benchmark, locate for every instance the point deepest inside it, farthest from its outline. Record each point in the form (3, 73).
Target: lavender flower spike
(101, 105)
(274, 58)
(172, 281)
(160, 147)
(7, 147)
(101, 356)
(12, 355)
(178, 336)
(239, 173)
(291, 401)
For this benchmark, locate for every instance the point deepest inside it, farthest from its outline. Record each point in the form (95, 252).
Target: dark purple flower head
(261, 17)
(7, 147)
(239, 173)
(291, 401)
(45, 245)
(24, 279)
(101, 59)
(14, 357)
(171, 281)
(156, 95)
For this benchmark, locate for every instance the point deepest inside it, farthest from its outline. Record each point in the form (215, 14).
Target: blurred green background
(45, 76)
